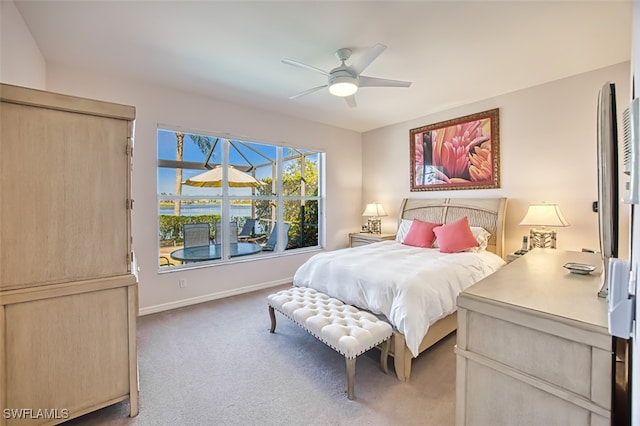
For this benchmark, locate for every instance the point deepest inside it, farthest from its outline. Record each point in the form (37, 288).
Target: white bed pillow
(481, 235)
(403, 229)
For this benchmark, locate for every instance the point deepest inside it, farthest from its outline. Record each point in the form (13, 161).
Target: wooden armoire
(68, 295)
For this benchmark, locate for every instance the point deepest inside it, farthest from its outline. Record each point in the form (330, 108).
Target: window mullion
(280, 197)
(226, 214)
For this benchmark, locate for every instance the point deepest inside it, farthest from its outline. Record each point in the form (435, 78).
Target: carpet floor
(216, 363)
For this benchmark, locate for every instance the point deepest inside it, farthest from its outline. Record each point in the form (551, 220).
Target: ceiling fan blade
(367, 58)
(306, 92)
(351, 101)
(364, 81)
(305, 66)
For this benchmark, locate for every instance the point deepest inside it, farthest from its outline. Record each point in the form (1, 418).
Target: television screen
(607, 145)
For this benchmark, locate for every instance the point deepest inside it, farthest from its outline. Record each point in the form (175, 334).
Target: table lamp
(541, 216)
(374, 211)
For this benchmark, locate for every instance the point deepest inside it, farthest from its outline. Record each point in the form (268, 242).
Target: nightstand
(362, 238)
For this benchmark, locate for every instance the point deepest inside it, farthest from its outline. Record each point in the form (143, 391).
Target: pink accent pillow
(455, 236)
(420, 234)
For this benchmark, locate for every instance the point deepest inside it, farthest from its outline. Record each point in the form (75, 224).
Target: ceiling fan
(345, 80)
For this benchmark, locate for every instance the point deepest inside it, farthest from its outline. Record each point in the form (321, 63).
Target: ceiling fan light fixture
(345, 80)
(343, 86)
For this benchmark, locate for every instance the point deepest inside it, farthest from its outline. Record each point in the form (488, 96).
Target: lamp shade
(544, 215)
(374, 210)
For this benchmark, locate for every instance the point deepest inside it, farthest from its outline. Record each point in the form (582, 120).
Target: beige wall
(21, 62)
(547, 153)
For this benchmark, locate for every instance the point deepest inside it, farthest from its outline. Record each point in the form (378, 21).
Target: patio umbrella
(213, 179)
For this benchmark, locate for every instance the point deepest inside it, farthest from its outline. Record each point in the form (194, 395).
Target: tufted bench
(346, 329)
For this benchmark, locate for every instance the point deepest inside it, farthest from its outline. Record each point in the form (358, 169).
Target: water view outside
(198, 209)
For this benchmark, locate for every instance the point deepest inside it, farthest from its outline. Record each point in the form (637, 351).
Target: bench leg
(384, 356)
(272, 315)
(351, 376)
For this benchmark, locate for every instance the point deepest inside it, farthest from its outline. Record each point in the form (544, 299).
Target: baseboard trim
(209, 297)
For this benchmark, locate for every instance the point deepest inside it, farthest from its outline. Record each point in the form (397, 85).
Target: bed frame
(486, 212)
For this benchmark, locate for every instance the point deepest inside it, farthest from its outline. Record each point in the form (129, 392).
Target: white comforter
(412, 287)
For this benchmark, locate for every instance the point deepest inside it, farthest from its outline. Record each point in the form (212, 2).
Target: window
(251, 198)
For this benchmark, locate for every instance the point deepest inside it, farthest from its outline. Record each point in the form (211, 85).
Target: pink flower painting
(457, 154)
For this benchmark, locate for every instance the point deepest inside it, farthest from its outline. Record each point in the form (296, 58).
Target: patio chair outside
(234, 233)
(272, 242)
(196, 234)
(247, 230)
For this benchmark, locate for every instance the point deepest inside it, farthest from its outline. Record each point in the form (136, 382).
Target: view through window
(220, 199)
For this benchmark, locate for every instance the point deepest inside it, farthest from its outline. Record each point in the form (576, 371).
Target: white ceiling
(454, 52)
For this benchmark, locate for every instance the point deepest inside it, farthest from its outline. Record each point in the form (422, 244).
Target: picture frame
(462, 153)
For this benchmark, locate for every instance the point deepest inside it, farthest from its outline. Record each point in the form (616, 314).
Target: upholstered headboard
(486, 212)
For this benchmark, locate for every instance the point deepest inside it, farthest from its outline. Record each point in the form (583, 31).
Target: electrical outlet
(182, 283)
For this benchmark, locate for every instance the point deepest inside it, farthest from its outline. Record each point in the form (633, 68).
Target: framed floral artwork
(462, 153)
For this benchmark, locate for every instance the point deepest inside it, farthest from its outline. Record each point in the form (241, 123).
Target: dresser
(68, 297)
(362, 238)
(533, 346)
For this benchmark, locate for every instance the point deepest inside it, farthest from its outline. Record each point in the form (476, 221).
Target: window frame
(226, 197)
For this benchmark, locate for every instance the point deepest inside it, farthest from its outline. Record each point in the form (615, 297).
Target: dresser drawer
(577, 367)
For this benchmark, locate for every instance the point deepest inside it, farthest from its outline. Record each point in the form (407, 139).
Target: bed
(384, 277)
